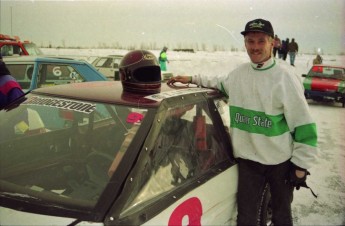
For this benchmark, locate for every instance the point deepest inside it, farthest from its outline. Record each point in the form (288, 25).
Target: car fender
(213, 203)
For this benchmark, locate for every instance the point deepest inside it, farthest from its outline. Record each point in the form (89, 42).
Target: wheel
(265, 211)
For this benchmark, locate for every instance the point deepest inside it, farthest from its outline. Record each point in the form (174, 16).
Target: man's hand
(298, 176)
(180, 78)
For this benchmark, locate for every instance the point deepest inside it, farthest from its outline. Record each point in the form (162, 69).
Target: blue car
(37, 71)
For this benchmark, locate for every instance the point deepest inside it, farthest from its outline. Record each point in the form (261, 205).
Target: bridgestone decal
(62, 104)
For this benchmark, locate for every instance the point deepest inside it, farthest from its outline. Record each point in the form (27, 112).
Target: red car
(12, 46)
(325, 83)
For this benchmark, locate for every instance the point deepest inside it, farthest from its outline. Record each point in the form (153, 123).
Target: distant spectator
(9, 87)
(317, 60)
(281, 50)
(286, 48)
(292, 50)
(163, 59)
(277, 44)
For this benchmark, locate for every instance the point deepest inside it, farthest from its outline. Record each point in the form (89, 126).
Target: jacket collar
(265, 65)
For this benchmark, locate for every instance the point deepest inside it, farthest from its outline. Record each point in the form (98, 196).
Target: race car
(119, 153)
(33, 72)
(13, 46)
(325, 83)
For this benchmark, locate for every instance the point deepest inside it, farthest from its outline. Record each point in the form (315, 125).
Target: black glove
(299, 182)
(296, 181)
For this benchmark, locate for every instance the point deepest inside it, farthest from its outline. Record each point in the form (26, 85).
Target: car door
(185, 173)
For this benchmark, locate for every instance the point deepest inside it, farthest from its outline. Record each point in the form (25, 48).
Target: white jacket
(270, 118)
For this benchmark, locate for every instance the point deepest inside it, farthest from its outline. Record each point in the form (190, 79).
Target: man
(9, 87)
(277, 45)
(163, 59)
(292, 50)
(273, 134)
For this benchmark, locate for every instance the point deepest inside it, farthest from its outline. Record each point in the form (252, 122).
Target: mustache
(255, 51)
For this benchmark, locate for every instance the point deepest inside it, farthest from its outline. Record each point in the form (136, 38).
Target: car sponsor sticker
(179, 92)
(73, 105)
(134, 117)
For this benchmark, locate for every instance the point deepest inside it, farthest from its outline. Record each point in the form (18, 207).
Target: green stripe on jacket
(258, 122)
(270, 125)
(306, 134)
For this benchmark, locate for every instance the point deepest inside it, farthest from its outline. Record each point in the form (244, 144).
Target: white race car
(93, 154)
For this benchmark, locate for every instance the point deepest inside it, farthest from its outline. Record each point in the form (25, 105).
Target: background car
(33, 72)
(108, 66)
(12, 46)
(324, 83)
(166, 75)
(90, 152)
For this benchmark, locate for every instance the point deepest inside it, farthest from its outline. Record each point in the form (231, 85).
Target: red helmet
(140, 72)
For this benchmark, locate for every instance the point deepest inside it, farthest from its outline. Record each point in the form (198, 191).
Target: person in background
(277, 45)
(9, 87)
(272, 131)
(286, 48)
(292, 50)
(317, 59)
(281, 50)
(163, 59)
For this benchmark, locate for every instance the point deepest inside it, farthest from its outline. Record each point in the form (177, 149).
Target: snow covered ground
(327, 176)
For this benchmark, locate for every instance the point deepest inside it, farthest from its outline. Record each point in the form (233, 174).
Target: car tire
(265, 211)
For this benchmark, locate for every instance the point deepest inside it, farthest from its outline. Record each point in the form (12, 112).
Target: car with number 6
(33, 72)
(119, 153)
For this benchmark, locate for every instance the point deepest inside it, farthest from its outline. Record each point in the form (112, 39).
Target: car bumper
(310, 94)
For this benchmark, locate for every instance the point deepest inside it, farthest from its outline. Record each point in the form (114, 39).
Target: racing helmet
(140, 72)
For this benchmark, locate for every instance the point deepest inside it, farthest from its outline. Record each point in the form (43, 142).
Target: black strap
(304, 184)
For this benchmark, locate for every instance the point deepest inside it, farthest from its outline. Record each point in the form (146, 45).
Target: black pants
(252, 178)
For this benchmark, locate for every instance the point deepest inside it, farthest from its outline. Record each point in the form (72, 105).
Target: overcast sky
(176, 23)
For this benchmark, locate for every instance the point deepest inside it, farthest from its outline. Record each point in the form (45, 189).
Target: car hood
(324, 84)
(15, 217)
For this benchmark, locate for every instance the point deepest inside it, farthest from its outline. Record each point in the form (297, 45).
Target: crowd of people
(285, 47)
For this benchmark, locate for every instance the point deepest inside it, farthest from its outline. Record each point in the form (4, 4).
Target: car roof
(115, 55)
(111, 92)
(56, 59)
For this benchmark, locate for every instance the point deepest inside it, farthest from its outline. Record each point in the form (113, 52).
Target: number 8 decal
(192, 208)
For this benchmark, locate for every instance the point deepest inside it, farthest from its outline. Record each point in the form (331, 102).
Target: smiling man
(273, 134)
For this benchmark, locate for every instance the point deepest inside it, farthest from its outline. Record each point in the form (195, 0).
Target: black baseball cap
(259, 25)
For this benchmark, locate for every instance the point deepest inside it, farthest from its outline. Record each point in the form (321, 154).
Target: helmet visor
(147, 74)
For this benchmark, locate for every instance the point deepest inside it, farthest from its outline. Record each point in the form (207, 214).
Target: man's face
(259, 46)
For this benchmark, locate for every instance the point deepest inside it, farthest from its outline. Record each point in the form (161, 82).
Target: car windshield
(32, 49)
(63, 151)
(327, 72)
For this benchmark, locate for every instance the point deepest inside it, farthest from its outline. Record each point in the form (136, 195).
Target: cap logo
(149, 57)
(256, 25)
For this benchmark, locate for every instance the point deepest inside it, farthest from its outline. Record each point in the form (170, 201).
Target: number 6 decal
(57, 71)
(192, 208)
